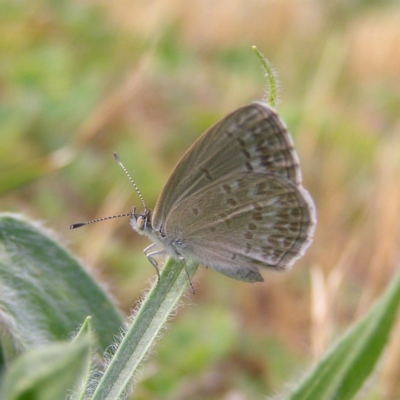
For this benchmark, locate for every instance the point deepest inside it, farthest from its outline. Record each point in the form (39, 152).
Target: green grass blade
(48, 372)
(80, 386)
(341, 373)
(150, 319)
(45, 293)
(272, 79)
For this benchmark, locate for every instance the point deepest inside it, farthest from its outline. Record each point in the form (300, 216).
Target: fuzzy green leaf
(45, 293)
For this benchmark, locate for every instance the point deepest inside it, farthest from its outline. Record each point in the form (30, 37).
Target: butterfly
(234, 202)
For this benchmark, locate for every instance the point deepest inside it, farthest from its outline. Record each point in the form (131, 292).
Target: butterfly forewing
(251, 139)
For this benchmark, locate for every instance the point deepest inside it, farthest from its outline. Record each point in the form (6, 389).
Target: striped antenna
(130, 179)
(79, 224)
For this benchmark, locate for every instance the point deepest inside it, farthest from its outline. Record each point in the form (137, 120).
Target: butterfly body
(141, 223)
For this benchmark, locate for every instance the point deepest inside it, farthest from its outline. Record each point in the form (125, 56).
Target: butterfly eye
(141, 222)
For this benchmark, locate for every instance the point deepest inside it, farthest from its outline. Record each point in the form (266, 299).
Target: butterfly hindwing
(242, 221)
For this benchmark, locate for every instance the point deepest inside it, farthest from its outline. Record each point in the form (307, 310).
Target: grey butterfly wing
(251, 139)
(243, 221)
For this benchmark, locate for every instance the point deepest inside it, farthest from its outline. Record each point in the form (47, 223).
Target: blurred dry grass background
(81, 79)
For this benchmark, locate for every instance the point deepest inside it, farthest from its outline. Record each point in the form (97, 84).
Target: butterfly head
(141, 223)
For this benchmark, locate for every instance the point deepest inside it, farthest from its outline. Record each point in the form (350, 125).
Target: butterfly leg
(183, 260)
(150, 257)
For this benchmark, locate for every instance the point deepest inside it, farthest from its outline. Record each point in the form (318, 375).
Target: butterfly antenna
(79, 224)
(130, 179)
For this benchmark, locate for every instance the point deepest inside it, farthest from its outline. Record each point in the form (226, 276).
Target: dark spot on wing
(246, 154)
(195, 211)
(241, 142)
(257, 216)
(232, 202)
(249, 167)
(248, 235)
(227, 189)
(257, 206)
(206, 172)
